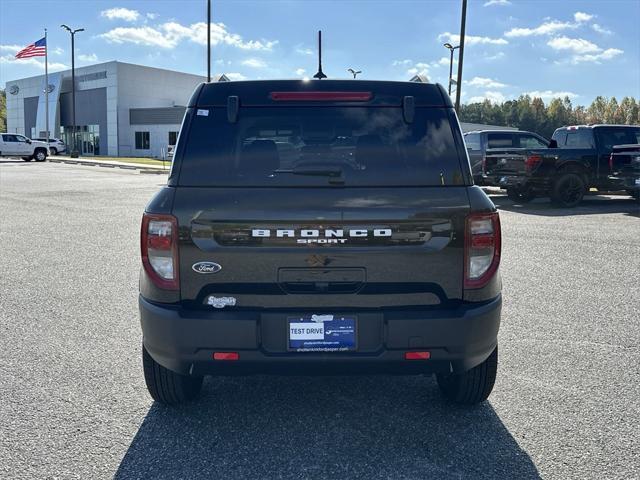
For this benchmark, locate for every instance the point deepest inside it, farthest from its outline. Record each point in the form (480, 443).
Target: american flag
(37, 49)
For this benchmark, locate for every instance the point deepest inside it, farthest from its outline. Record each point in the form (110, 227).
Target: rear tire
(519, 195)
(40, 155)
(568, 190)
(473, 386)
(166, 386)
(54, 150)
(27, 159)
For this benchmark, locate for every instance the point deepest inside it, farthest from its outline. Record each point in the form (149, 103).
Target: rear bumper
(626, 182)
(184, 341)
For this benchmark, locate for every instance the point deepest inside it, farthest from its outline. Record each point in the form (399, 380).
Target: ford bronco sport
(320, 227)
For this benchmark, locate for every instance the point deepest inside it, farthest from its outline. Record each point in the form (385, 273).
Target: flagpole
(46, 86)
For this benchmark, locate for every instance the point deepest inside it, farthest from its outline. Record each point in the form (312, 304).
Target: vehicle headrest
(260, 157)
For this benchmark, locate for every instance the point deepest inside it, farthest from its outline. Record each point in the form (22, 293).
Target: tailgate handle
(321, 280)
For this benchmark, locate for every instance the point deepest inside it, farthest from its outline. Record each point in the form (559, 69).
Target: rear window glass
(297, 146)
(529, 141)
(581, 138)
(608, 137)
(472, 141)
(499, 140)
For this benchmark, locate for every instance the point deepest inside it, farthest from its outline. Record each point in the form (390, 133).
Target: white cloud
(546, 28)
(33, 62)
(254, 63)
(140, 36)
(471, 39)
(485, 83)
(120, 13)
(607, 54)
(582, 17)
(550, 94)
(494, 57)
(494, 97)
(56, 51)
(235, 76)
(151, 16)
(11, 48)
(303, 50)
(170, 34)
(576, 45)
(496, 2)
(402, 63)
(300, 72)
(92, 57)
(583, 50)
(445, 61)
(600, 29)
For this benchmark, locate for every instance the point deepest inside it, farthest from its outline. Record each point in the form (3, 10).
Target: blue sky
(542, 47)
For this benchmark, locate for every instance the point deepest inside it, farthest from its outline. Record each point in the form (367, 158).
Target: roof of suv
(259, 93)
(495, 130)
(595, 125)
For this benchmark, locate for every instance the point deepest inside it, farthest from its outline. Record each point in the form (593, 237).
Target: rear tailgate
(625, 160)
(499, 161)
(323, 248)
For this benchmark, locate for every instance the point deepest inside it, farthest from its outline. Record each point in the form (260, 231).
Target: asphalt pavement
(73, 402)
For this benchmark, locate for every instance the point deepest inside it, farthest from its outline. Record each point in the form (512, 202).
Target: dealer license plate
(322, 333)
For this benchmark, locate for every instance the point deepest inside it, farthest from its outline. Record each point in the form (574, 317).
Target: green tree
(530, 114)
(3, 110)
(597, 110)
(611, 112)
(628, 110)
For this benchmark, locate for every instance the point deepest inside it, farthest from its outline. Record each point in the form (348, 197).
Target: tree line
(3, 110)
(532, 114)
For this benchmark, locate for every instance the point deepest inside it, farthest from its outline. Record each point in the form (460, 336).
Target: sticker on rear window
(203, 112)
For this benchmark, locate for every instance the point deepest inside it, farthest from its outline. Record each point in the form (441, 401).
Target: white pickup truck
(14, 145)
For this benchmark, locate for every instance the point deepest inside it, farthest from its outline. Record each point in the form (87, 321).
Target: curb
(122, 166)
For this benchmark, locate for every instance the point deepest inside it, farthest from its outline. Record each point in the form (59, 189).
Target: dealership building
(121, 109)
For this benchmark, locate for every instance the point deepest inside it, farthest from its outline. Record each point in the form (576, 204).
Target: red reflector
(417, 355)
(159, 243)
(226, 356)
(321, 96)
(532, 162)
(482, 241)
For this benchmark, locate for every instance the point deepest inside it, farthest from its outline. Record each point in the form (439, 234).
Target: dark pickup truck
(582, 157)
(479, 142)
(322, 227)
(579, 158)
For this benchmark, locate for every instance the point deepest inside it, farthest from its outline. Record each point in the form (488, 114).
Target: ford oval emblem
(206, 267)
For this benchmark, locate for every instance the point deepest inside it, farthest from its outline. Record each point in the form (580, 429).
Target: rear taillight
(532, 162)
(482, 249)
(159, 248)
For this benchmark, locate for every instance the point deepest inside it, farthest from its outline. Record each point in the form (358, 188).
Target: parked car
(479, 141)
(14, 145)
(624, 165)
(580, 160)
(308, 227)
(56, 145)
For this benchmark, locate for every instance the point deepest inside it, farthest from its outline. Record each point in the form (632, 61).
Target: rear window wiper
(336, 175)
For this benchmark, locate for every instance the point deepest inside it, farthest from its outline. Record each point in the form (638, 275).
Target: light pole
(463, 22)
(74, 151)
(451, 49)
(208, 41)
